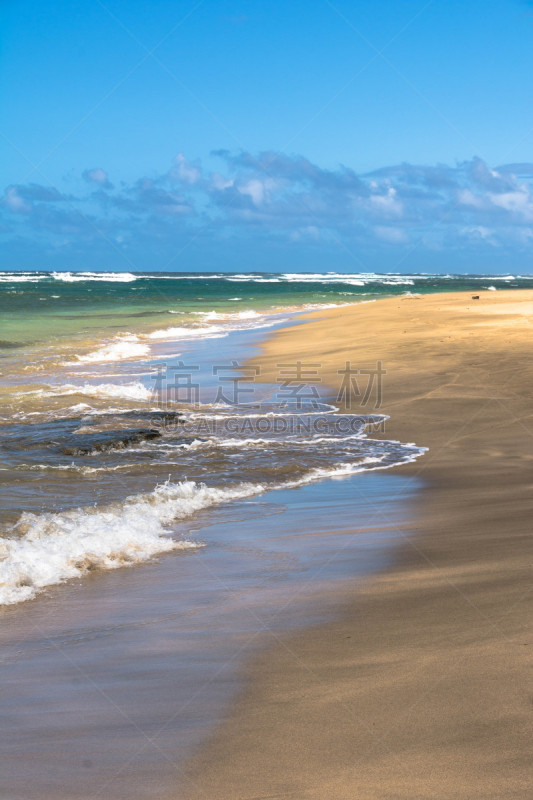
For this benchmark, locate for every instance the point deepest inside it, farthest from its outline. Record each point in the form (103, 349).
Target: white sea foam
(250, 314)
(357, 279)
(207, 331)
(126, 391)
(18, 277)
(86, 411)
(123, 348)
(352, 279)
(486, 277)
(50, 548)
(325, 306)
(246, 444)
(325, 408)
(178, 277)
(236, 321)
(108, 277)
(80, 469)
(250, 279)
(79, 408)
(267, 280)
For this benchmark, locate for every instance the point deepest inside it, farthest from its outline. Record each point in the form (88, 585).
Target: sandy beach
(420, 690)
(266, 401)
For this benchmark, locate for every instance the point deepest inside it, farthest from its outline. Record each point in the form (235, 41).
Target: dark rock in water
(168, 416)
(103, 442)
(166, 420)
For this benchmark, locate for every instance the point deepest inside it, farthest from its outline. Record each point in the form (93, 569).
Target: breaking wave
(124, 391)
(111, 277)
(206, 331)
(50, 548)
(125, 347)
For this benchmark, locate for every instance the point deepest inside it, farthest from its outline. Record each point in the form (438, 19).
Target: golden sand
(421, 689)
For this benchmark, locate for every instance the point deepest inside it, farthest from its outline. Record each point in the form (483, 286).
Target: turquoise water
(39, 307)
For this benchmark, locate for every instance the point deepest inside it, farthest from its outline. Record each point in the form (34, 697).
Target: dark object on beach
(475, 297)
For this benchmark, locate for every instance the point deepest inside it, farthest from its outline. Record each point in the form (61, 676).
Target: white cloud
(15, 202)
(288, 198)
(185, 171)
(387, 203)
(219, 182)
(479, 233)
(519, 202)
(99, 176)
(467, 198)
(254, 189)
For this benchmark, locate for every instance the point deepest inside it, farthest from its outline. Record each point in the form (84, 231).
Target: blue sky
(390, 136)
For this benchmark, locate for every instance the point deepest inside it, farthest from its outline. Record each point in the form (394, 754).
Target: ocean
(165, 511)
(125, 406)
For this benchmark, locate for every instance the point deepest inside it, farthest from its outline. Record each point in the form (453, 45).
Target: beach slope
(422, 688)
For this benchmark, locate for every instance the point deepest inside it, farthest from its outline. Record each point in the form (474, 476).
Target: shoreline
(419, 690)
(116, 677)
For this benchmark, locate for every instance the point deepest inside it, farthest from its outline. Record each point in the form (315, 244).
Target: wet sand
(422, 688)
(110, 682)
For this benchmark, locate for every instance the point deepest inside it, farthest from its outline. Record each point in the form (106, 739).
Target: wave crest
(51, 548)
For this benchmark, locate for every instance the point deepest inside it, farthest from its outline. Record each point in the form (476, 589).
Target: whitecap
(54, 547)
(207, 331)
(122, 348)
(109, 277)
(125, 391)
